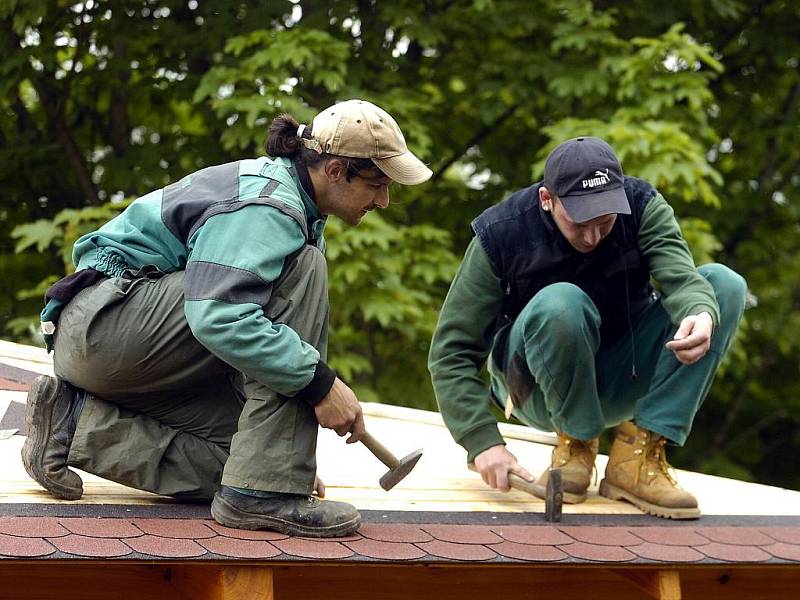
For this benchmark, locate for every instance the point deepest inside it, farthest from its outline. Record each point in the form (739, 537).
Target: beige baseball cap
(359, 129)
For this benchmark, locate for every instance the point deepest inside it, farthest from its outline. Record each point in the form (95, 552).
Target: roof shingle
(96, 547)
(125, 538)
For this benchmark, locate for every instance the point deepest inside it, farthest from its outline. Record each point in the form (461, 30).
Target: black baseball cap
(586, 176)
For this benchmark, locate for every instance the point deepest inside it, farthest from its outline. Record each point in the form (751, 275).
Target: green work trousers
(163, 414)
(562, 377)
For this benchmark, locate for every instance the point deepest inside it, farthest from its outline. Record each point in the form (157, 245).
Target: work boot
(638, 472)
(52, 414)
(575, 458)
(292, 514)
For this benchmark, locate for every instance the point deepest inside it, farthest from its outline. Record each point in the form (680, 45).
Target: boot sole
(540, 491)
(228, 515)
(38, 434)
(613, 492)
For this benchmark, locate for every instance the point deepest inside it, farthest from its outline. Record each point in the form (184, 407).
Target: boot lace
(653, 459)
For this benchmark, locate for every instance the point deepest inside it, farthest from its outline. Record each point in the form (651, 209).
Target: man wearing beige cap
(190, 343)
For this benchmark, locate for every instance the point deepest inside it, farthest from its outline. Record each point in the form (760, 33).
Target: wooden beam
(222, 582)
(355, 581)
(246, 583)
(192, 581)
(85, 580)
(100, 580)
(445, 582)
(661, 584)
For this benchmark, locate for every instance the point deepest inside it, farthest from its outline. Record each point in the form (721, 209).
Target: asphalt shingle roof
(49, 537)
(168, 532)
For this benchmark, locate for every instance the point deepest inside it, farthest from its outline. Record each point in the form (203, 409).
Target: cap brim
(405, 168)
(590, 206)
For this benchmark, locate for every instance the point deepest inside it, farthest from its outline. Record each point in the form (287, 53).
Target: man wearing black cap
(554, 295)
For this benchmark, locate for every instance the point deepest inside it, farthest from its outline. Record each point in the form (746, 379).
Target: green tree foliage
(101, 101)
(751, 425)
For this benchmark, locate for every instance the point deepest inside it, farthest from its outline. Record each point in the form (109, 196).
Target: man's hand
(495, 464)
(693, 338)
(340, 411)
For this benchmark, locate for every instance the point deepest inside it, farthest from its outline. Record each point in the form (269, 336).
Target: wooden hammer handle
(518, 483)
(380, 451)
(515, 481)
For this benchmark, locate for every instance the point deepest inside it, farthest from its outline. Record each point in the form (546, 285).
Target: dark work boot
(293, 514)
(52, 414)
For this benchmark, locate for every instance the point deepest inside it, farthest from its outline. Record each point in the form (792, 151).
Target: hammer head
(555, 496)
(403, 468)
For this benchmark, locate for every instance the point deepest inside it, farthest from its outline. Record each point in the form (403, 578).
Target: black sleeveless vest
(526, 248)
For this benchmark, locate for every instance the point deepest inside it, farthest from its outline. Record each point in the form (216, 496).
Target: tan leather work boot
(638, 472)
(575, 458)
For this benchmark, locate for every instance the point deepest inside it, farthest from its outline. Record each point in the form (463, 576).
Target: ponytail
(282, 138)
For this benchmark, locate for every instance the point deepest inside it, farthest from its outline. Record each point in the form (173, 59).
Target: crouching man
(554, 296)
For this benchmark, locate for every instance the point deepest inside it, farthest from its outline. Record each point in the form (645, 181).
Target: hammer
(553, 498)
(398, 469)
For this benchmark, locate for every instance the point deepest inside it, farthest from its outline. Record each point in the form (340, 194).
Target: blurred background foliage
(103, 101)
